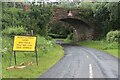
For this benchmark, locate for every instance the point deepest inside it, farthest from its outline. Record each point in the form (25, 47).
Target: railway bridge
(84, 27)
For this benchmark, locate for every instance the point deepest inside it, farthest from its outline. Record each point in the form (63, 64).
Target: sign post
(15, 57)
(25, 43)
(36, 57)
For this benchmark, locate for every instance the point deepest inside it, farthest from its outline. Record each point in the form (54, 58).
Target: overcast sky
(43, 0)
(47, 0)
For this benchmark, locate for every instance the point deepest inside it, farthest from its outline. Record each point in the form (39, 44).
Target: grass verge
(48, 54)
(111, 48)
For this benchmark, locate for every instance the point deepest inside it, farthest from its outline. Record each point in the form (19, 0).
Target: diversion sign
(24, 43)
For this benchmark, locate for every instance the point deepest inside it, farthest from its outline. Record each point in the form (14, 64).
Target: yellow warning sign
(24, 43)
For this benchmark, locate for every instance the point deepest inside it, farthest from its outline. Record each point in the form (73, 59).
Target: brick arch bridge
(83, 28)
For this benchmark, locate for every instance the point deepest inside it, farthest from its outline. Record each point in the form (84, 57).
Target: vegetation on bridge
(104, 16)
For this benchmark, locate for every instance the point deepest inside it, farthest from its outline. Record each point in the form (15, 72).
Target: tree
(106, 15)
(39, 18)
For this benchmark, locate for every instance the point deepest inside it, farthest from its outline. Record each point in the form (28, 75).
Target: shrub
(17, 30)
(113, 36)
(69, 37)
(44, 45)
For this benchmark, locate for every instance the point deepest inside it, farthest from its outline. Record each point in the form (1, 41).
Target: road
(83, 62)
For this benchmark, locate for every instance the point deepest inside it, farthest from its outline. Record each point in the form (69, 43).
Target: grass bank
(48, 54)
(111, 48)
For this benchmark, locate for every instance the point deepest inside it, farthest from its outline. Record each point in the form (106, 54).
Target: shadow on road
(65, 44)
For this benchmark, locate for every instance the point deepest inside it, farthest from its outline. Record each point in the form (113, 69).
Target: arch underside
(81, 30)
(75, 22)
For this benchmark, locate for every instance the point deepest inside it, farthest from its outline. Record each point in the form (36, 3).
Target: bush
(69, 38)
(44, 45)
(10, 31)
(113, 36)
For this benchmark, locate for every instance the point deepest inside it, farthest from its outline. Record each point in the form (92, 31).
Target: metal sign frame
(35, 51)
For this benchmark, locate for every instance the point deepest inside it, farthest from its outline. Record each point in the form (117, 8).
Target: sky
(48, 0)
(58, 0)
(44, 0)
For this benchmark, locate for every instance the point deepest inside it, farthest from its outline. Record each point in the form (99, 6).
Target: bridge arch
(83, 29)
(73, 21)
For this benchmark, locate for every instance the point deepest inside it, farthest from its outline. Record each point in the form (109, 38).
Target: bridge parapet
(60, 13)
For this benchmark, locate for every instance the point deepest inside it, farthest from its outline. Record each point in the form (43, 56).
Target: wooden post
(15, 57)
(36, 52)
(32, 32)
(36, 57)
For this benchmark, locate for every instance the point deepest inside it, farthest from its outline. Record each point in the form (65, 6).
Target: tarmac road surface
(83, 62)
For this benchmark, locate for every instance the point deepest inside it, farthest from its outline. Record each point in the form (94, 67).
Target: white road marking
(90, 71)
(87, 56)
(69, 55)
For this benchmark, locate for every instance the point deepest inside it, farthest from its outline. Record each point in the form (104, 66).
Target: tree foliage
(36, 18)
(107, 16)
(14, 30)
(60, 29)
(40, 16)
(113, 36)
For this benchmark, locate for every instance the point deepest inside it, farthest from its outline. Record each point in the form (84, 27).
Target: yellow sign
(24, 43)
